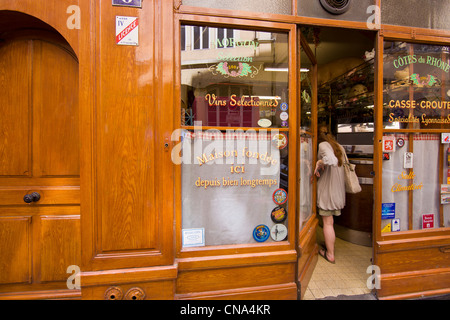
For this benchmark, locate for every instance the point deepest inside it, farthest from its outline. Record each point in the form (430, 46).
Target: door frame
(307, 244)
(307, 247)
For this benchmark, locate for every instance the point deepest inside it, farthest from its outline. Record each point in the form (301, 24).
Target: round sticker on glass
(284, 106)
(279, 196)
(261, 233)
(278, 232)
(278, 214)
(284, 116)
(280, 140)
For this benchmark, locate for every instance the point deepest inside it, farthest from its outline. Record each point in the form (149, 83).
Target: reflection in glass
(236, 78)
(306, 174)
(306, 91)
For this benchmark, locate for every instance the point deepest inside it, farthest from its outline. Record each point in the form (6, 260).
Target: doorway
(345, 105)
(39, 160)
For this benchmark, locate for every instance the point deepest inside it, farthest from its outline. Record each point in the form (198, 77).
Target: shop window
(235, 134)
(416, 138)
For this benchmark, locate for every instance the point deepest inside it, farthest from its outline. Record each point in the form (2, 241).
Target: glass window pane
(416, 97)
(411, 182)
(416, 86)
(237, 82)
(205, 37)
(183, 38)
(306, 91)
(196, 39)
(306, 174)
(395, 205)
(234, 178)
(424, 178)
(231, 183)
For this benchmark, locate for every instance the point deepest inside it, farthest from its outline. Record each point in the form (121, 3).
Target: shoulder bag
(351, 179)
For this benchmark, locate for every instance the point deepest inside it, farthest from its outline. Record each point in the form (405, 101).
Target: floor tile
(347, 277)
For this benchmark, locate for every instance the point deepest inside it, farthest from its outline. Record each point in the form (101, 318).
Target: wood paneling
(407, 285)
(233, 278)
(308, 256)
(128, 196)
(49, 195)
(15, 262)
(411, 260)
(126, 118)
(274, 292)
(55, 109)
(15, 66)
(160, 290)
(60, 246)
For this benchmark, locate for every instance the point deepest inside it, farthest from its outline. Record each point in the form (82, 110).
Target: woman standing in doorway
(330, 187)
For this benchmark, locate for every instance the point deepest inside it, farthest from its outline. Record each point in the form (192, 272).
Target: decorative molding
(177, 4)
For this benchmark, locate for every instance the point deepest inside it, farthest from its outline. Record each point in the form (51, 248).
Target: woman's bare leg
(329, 235)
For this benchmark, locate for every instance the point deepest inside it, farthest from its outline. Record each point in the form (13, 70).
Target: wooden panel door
(39, 153)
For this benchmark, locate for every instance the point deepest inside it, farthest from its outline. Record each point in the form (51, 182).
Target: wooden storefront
(92, 186)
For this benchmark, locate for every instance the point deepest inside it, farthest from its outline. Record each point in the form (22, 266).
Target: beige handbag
(351, 179)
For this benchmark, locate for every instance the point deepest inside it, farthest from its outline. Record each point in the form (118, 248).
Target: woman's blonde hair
(324, 135)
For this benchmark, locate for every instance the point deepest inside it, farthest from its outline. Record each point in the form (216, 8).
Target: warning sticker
(127, 31)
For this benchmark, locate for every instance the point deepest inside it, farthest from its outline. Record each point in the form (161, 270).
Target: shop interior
(345, 61)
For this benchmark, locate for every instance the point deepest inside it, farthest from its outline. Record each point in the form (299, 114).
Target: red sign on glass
(427, 221)
(388, 144)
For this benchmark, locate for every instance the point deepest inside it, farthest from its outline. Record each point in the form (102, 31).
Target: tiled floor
(347, 277)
